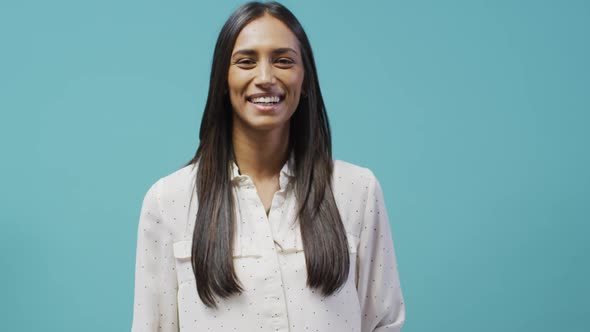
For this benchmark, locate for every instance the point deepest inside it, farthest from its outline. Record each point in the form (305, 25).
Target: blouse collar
(287, 171)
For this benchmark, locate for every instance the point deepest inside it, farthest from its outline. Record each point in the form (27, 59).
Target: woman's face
(265, 75)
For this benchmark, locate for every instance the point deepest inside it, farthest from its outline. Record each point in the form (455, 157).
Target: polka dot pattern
(269, 261)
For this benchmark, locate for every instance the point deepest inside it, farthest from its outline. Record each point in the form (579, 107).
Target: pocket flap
(182, 249)
(290, 250)
(351, 239)
(245, 249)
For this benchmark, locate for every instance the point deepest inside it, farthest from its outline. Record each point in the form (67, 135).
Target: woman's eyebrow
(283, 50)
(251, 52)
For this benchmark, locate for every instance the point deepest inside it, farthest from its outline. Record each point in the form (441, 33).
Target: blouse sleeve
(155, 305)
(378, 284)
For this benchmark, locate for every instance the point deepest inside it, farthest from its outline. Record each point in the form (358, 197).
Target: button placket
(266, 233)
(274, 287)
(273, 283)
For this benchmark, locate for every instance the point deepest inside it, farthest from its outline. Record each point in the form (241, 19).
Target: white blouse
(269, 261)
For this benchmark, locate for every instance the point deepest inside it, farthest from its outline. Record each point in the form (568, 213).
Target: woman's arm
(155, 307)
(378, 285)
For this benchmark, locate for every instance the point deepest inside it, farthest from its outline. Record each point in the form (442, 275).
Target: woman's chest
(269, 260)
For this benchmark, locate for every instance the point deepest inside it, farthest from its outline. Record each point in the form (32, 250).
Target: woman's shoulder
(175, 187)
(181, 177)
(351, 182)
(345, 171)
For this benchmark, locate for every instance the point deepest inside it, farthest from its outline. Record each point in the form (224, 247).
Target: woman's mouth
(266, 103)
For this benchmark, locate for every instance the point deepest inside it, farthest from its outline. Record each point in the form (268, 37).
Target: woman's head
(266, 31)
(262, 49)
(265, 75)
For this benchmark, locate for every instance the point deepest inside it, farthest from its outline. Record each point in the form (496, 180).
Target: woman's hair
(323, 234)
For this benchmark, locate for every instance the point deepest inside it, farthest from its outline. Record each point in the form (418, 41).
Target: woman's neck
(260, 154)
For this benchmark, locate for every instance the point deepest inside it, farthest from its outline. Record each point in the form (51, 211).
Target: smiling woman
(265, 76)
(262, 230)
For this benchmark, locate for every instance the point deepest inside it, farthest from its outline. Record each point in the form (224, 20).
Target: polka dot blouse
(269, 261)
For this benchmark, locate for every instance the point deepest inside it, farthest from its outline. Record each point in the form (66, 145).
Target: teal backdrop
(474, 115)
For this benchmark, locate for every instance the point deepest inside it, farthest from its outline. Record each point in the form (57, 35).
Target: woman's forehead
(266, 34)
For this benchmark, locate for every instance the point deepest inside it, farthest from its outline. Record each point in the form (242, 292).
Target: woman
(262, 230)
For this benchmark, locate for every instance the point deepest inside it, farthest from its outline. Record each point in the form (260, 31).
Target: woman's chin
(263, 123)
(253, 120)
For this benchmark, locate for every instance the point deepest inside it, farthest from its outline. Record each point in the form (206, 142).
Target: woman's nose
(265, 75)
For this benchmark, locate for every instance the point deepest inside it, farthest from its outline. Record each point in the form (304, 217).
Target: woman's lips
(266, 108)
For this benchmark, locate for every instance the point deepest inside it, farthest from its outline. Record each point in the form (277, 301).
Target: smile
(266, 100)
(266, 103)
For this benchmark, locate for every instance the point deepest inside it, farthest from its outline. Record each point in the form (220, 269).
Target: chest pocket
(293, 254)
(183, 253)
(298, 247)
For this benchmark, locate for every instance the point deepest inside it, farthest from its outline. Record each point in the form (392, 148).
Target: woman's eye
(246, 62)
(285, 61)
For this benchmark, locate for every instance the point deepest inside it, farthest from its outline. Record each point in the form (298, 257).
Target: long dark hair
(323, 234)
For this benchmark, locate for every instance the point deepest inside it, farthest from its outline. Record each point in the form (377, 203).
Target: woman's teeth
(266, 100)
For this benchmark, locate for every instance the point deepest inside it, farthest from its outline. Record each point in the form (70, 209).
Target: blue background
(474, 115)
